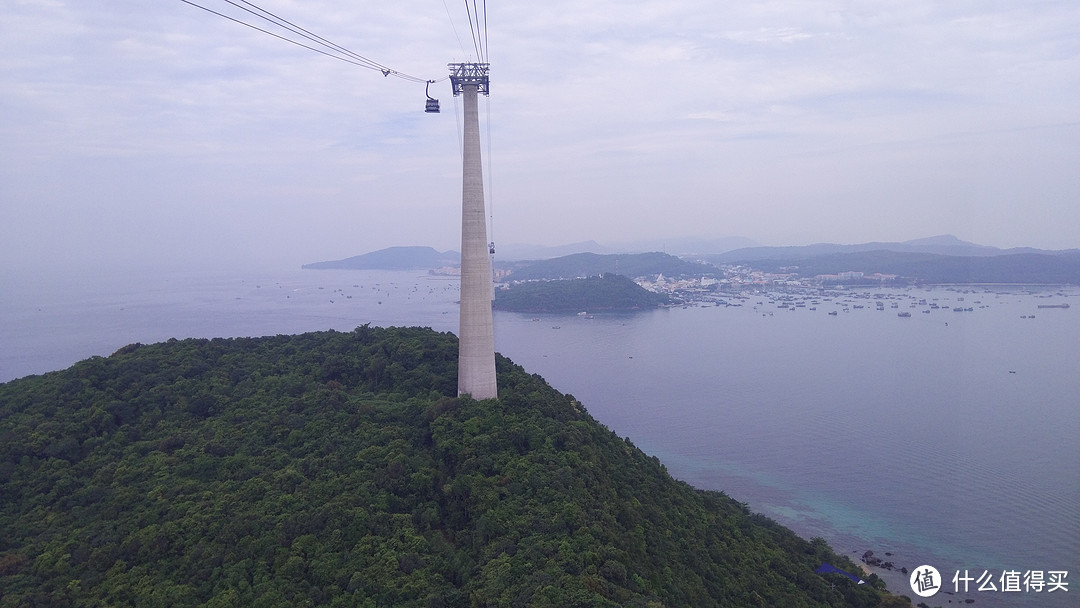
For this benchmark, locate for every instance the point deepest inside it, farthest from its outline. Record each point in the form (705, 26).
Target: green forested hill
(337, 469)
(626, 264)
(608, 292)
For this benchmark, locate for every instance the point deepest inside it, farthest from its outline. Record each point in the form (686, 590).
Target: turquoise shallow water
(948, 438)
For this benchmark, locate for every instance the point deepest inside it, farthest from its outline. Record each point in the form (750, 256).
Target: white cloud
(609, 120)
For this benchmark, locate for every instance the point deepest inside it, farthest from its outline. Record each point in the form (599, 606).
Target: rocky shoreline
(872, 560)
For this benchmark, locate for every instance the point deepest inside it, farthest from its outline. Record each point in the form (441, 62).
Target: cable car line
(473, 26)
(454, 28)
(490, 188)
(485, 33)
(348, 58)
(480, 36)
(477, 28)
(285, 23)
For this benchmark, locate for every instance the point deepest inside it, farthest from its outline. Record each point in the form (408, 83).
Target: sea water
(944, 438)
(51, 321)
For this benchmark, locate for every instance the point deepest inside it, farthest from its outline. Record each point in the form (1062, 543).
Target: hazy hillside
(944, 245)
(674, 245)
(687, 245)
(393, 258)
(519, 252)
(337, 469)
(627, 264)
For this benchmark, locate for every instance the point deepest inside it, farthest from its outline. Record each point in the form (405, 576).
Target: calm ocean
(944, 438)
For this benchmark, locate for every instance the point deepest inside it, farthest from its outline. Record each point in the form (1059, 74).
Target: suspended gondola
(432, 106)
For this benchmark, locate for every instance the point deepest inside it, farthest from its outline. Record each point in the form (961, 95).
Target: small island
(604, 293)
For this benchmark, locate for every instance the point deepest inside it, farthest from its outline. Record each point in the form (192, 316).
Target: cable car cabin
(432, 106)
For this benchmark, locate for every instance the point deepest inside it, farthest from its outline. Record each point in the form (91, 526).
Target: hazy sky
(141, 131)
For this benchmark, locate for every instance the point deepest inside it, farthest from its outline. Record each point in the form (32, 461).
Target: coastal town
(837, 293)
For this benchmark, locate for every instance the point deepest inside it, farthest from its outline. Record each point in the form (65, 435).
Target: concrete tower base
(476, 335)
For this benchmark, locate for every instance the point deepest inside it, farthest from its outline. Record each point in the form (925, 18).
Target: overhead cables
(454, 28)
(334, 50)
(472, 29)
(478, 28)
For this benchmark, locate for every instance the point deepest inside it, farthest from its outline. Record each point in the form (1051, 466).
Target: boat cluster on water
(836, 301)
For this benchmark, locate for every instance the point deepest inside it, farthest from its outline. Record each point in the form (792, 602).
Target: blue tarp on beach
(827, 568)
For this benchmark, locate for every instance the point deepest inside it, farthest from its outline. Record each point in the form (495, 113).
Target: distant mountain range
(940, 245)
(413, 258)
(518, 252)
(392, 258)
(674, 246)
(1033, 268)
(939, 259)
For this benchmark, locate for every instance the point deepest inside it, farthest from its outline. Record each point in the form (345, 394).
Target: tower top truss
(462, 74)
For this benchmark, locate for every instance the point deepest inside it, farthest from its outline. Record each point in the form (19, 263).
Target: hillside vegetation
(338, 469)
(632, 265)
(609, 292)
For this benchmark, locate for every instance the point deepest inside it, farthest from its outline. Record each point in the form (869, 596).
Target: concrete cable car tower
(476, 334)
(476, 352)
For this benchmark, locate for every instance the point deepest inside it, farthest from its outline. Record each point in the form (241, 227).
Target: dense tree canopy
(339, 469)
(609, 292)
(628, 264)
